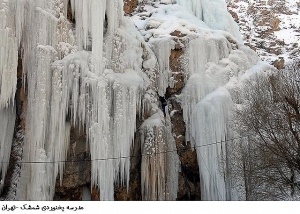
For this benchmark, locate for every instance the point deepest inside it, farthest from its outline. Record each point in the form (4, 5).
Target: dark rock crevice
(189, 181)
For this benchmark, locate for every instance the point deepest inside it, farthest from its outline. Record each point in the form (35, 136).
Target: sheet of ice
(210, 61)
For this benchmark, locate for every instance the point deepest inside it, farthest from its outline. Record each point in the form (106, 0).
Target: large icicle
(92, 16)
(162, 49)
(209, 131)
(160, 162)
(37, 122)
(8, 84)
(8, 57)
(111, 119)
(173, 163)
(97, 28)
(47, 133)
(119, 106)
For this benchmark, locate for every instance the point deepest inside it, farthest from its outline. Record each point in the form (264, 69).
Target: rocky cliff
(269, 27)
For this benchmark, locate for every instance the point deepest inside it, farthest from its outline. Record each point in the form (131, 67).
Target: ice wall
(211, 62)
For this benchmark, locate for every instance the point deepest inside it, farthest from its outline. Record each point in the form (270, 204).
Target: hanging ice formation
(8, 83)
(160, 165)
(100, 73)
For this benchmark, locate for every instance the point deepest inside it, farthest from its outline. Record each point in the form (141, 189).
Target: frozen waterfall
(103, 72)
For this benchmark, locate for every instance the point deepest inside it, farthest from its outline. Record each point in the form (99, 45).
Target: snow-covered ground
(289, 26)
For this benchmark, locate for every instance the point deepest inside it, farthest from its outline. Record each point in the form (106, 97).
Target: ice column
(201, 52)
(8, 57)
(160, 163)
(47, 132)
(162, 49)
(209, 132)
(34, 177)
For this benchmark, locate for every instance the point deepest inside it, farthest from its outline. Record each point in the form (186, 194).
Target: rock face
(130, 6)
(189, 187)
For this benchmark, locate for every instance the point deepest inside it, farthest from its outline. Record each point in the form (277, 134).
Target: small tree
(270, 117)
